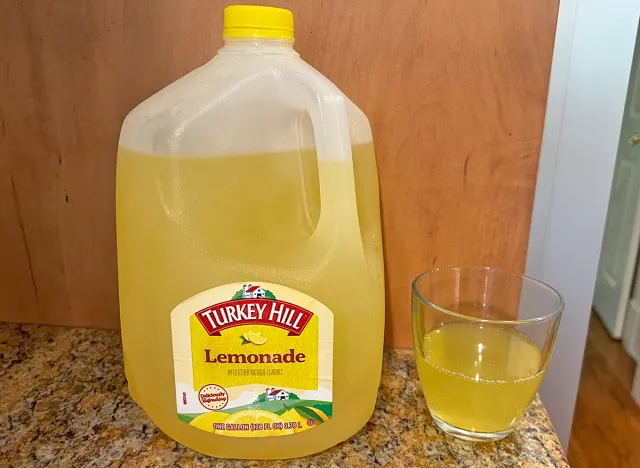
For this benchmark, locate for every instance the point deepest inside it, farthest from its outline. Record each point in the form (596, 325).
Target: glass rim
(542, 318)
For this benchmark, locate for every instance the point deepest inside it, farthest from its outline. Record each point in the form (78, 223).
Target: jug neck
(258, 46)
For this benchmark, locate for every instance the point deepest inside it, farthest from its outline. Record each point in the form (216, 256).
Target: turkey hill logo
(253, 305)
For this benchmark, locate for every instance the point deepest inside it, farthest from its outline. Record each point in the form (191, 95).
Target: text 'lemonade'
(479, 378)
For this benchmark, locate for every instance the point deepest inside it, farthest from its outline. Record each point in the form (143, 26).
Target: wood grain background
(455, 92)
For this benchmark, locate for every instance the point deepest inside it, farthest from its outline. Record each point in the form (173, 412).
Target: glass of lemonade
(483, 338)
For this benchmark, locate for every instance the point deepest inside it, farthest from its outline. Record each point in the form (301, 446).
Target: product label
(253, 360)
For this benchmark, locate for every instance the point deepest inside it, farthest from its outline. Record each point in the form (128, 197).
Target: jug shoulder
(232, 105)
(359, 126)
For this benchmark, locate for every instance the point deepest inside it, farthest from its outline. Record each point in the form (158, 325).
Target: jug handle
(327, 109)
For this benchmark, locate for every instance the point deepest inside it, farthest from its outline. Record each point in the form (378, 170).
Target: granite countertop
(65, 403)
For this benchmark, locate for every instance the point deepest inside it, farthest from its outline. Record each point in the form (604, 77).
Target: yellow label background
(297, 375)
(311, 380)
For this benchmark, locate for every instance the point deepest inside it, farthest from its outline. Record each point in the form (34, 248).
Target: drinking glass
(483, 338)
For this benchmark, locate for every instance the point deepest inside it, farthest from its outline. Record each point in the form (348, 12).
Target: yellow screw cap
(257, 21)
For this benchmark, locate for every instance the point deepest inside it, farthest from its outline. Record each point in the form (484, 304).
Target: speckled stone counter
(65, 403)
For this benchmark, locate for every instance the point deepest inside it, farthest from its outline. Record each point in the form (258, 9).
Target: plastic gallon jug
(249, 251)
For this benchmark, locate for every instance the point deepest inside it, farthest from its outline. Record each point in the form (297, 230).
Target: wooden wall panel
(455, 92)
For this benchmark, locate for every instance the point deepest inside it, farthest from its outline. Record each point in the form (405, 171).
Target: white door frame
(635, 392)
(590, 73)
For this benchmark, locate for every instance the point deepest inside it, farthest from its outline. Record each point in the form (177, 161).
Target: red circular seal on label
(213, 397)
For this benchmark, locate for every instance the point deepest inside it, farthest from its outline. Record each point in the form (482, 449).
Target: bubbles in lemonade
(479, 378)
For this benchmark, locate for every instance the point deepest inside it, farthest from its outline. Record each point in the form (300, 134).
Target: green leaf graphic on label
(308, 413)
(244, 340)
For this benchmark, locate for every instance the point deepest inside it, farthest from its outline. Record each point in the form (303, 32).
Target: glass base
(469, 435)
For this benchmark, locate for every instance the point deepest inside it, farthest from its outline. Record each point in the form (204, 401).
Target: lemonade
(188, 223)
(479, 378)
